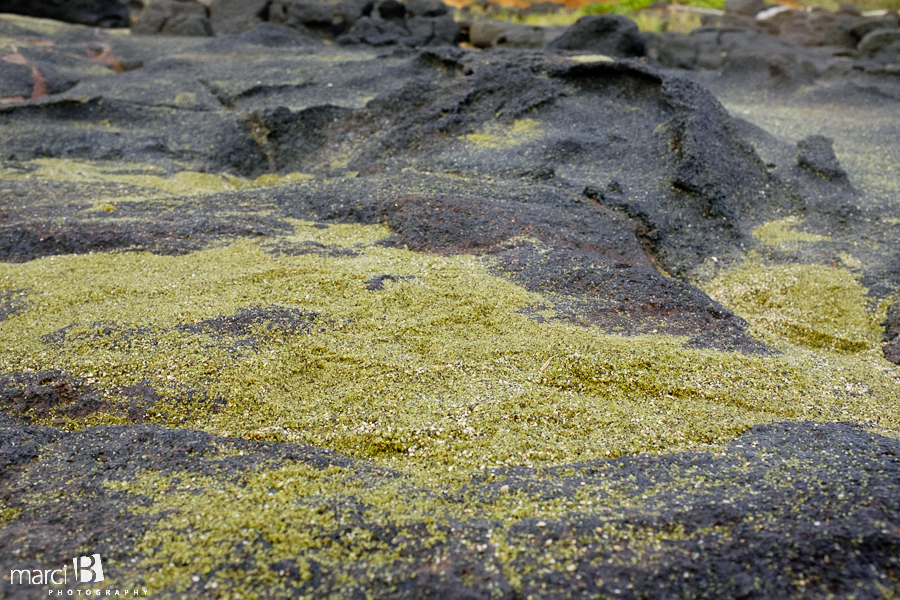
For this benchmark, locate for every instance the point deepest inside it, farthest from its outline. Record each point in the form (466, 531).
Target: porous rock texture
(174, 17)
(282, 318)
(611, 35)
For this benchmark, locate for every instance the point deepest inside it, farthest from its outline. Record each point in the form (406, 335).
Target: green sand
(442, 369)
(439, 376)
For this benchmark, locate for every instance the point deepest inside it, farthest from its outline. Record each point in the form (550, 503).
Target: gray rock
(890, 54)
(849, 9)
(326, 19)
(152, 20)
(483, 33)
(892, 353)
(375, 32)
(612, 35)
(15, 80)
(390, 10)
(835, 29)
(749, 8)
(433, 31)
(866, 26)
(446, 31)
(346, 13)
(816, 153)
(800, 30)
(188, 24)
(167, 17)
(426, 8)
(878, 39)
(235, 16)
(672, 49)
(710, 59)
(98, 13)
(313, 13)
(520, 37)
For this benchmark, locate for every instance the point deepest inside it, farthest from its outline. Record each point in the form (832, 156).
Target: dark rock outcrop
(878, 39)
(282, 318)
(97, 13)
(816, 154)
(611, 35)
(748, 8)
(235, 16)
(174, 17)
(727, 507)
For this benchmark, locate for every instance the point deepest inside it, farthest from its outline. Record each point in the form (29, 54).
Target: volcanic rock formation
(289, 318)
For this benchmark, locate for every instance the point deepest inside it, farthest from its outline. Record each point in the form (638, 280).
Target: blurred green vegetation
(863, 5)
(647, 17)
(627, 7)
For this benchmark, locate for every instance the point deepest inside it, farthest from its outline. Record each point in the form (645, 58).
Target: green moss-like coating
(811, 305)
(181, 183)
(496, 136)
(439, 374)
(784, 231)
(226, 536)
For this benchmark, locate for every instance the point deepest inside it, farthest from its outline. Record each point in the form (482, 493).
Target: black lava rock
(612, 35)
(817, 154)
(98, 13)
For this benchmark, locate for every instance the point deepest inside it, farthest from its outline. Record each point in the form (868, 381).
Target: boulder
(235, 16)
(421, 23)
(878, 39)
(346, 13)
(426, 8)
(376, 32)
(816, 153)
(834, 29)
(433, 31)
(483, 33)
(672, 49)
(15, 80)
(521, 37)
(889, 55)
(749, 8)
(611, 35)
(390, 10)
(313, 14)
(849, 9)
(326, 19)
(174, 17)
(97, 13)
(865, 26)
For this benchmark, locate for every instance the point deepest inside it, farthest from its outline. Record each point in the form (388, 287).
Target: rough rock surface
(174, 17)
(283, 318)
(236, 16)
(611, 35)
